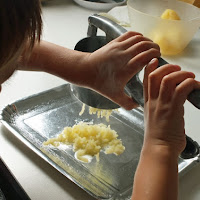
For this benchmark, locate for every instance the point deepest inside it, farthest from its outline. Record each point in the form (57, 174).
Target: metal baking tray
(44, 115)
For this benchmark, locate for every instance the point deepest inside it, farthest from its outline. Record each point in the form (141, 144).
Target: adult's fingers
(148, 69)
(170, 82)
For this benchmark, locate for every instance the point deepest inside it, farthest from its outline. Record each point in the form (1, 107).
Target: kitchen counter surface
(65, 23)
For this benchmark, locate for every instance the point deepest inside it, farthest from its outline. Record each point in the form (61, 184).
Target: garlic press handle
(194, 98)
(134, 87)
(111, 29)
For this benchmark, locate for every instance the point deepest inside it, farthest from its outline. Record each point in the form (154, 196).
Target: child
(21, 49)
(165, 91)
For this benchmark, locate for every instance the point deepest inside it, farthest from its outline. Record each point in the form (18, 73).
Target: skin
(112, 65)
(165, 91)
(7, 70)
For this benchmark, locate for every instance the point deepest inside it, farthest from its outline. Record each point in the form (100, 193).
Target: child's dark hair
(20, 22)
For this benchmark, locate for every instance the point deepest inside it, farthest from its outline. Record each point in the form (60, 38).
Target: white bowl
(98, 6)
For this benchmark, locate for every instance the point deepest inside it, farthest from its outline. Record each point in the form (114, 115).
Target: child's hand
(117, 62)
(106, 70)
(165, 91)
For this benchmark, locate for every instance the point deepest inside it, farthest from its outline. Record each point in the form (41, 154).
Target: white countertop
(65, 23)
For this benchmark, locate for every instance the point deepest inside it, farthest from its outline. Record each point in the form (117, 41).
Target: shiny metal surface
(134, 87)
(42, 116)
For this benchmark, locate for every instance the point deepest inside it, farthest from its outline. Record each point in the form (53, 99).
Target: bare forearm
(156, 176)
(59, 61)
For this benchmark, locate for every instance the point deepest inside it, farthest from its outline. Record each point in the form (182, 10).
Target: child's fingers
(126, 35)
(125, 101)
(155, 78)
(170, 82)
(142, 59)
(184, 89)
(140, 47)
(134, 40)
(148, 69)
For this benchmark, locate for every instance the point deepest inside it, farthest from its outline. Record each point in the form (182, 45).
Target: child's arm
(165, 91)
(106, 70)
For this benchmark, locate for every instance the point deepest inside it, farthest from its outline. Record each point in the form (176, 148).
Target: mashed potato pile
(168, 35)
(89, 140)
